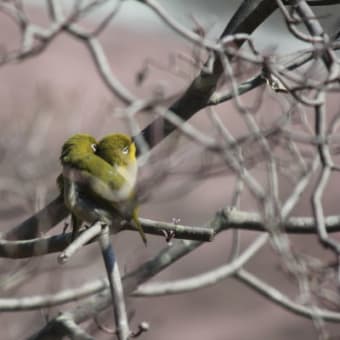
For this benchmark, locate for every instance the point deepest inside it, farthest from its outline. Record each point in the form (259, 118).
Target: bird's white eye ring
(125, 150)
(94, 147)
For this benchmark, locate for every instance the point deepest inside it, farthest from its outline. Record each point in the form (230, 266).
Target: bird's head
(77, 146)
(117, 149)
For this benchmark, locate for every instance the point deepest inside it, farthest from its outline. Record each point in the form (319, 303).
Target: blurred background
(47, 98)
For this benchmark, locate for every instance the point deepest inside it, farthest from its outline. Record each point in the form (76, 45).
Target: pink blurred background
(51, 96)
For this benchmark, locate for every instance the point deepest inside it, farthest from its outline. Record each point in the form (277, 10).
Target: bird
(119, 151)
(98, 180)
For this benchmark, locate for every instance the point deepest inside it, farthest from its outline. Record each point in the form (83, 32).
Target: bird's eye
(125, 150)
(94, 148)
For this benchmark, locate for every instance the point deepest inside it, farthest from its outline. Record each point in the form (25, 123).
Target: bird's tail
(138, 226)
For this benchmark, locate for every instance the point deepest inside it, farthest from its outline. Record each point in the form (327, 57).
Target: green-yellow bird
(98, 179)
